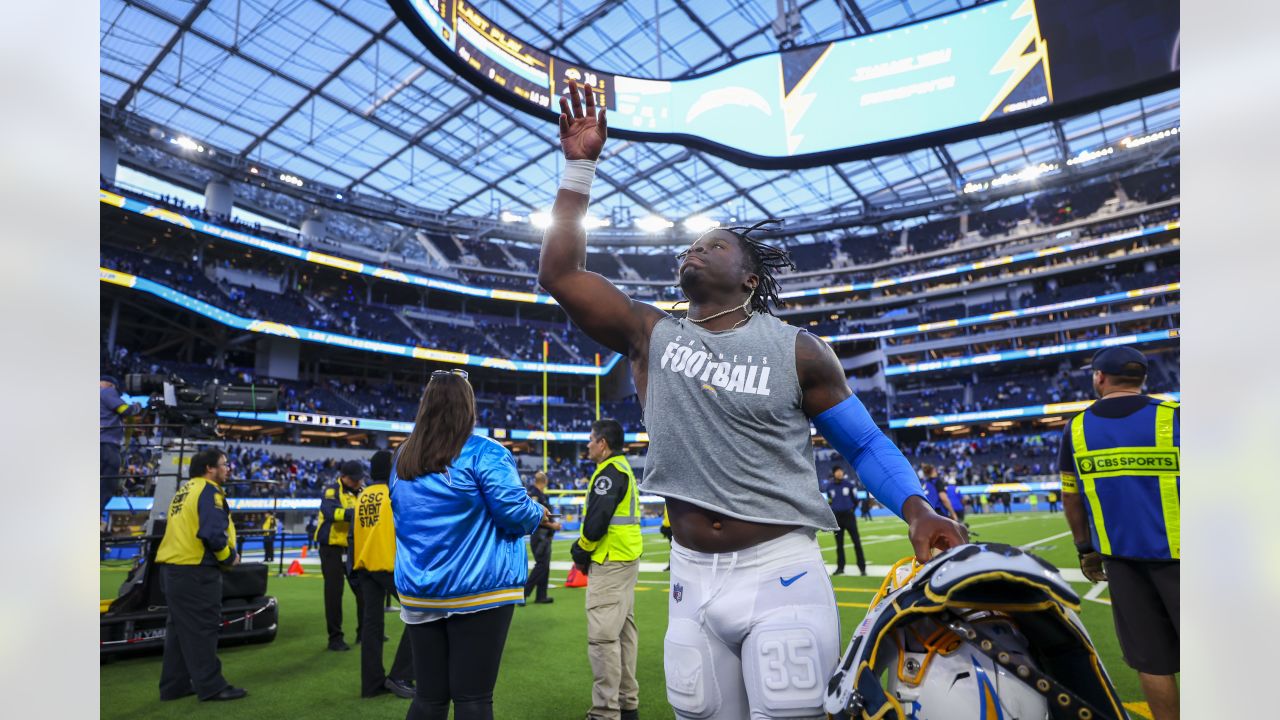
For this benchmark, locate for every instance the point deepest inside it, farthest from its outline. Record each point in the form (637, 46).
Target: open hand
(582, 131)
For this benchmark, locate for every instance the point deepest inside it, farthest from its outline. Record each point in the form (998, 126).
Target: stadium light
(591, 222)
(1132, 142)
(540, 219)
(700, 224)
(509, 217)
(654, 224)
(1090, 155)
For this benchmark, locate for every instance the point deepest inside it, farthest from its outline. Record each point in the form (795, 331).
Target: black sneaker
(839, 571)
(544, 601)
(339, 645)
(632, 714)
(400, 688)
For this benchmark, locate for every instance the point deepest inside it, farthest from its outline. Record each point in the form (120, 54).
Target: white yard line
(1033, 543)
(1096, 592)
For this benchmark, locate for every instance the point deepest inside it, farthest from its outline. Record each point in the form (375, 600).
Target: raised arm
(596, 305)
(841, 418)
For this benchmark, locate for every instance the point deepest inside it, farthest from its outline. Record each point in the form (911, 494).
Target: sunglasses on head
(455, 371)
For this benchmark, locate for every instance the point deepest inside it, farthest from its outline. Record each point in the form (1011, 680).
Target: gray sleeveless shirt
(726, 428)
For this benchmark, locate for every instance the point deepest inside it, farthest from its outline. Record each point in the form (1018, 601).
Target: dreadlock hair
(762, 260)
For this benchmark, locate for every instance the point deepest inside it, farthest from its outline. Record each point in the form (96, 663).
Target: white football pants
(752, 634)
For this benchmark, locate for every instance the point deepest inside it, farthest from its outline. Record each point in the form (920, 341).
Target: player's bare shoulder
(822, 379)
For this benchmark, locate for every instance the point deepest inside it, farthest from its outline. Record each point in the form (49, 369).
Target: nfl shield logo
(677, 592)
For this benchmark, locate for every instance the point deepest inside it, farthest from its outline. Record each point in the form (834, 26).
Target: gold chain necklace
(743, 306)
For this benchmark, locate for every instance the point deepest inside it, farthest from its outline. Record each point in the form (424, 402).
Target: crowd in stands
(1066, 384)
(469, 257)
(340, 229)
(999, 457)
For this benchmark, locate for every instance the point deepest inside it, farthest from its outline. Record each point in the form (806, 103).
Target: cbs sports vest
(1129, 471)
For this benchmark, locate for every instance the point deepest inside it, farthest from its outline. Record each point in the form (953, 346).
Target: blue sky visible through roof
(339, 92)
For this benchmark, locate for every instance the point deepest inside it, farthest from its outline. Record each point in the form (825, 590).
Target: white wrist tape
(578, 175)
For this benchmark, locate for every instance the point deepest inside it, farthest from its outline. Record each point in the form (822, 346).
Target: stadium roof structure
(341, 94)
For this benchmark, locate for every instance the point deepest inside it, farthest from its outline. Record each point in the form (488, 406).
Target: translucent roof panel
(339, 92)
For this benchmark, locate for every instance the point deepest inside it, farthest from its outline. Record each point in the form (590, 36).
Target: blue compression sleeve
(881, 465)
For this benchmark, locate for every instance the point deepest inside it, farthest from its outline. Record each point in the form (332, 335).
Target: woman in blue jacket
(461, 516)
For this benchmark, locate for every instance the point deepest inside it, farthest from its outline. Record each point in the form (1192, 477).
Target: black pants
(456, 660)
(108, 472)
(848, 523)
(194, 595)
(866, 509)
(268, 547)
(333, 565)
(540, 545)
(374, 587)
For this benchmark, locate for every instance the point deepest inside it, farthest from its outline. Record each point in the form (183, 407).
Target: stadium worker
(843, 500)
(540, 544)
(1121, 488)
(111, 410)
(461, 514)
(337, 510)
(374, 552)
(608, 552)
(728, 393)
(198, 543)
(269, 525)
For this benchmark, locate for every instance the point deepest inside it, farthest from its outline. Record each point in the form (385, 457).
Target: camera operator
(198, 543)
(111, 408)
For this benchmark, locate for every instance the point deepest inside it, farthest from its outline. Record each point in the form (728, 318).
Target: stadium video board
(975, 71)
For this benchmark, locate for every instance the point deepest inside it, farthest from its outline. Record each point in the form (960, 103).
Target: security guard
(198, 542)
(269, 538)
(540, 544)
(609, 552)
(337, 509)
(375, 565)
(1120, 464)
(843, 499)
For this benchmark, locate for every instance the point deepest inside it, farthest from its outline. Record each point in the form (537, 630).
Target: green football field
(545, 674)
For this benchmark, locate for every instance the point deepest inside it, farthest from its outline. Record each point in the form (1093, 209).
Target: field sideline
(545, 674)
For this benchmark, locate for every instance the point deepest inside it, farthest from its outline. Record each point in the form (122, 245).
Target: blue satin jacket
(460, 534)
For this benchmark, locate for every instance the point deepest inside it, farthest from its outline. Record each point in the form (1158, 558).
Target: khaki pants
(611, 637)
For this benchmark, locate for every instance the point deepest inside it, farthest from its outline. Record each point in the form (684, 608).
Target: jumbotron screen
(961, 74)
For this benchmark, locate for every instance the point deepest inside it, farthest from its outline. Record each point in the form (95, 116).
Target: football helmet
(981, 632)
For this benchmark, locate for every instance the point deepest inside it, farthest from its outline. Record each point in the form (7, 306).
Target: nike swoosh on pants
(786, 582)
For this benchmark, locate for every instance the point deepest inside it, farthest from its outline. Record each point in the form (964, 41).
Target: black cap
(109, 378)
(1113, 360)
(353, 469)
(380, 466)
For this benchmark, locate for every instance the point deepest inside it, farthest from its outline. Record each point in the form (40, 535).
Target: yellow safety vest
(622, 542)
(1131, 488)
(375, 530)
(182, 544)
